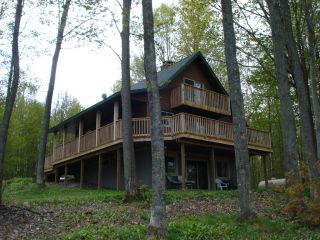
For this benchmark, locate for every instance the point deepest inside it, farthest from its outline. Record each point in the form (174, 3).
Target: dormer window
(194, 83)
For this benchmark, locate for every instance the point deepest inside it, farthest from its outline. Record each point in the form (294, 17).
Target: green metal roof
(164, 77)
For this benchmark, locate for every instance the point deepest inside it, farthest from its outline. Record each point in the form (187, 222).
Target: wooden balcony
(200, 98)
(182, 125)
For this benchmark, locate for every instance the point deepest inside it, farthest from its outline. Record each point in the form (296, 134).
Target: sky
(84, 73)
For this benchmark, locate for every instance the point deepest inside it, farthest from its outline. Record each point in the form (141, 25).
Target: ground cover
(58, 212)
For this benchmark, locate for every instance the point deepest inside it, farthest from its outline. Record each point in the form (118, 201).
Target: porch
(179, 126)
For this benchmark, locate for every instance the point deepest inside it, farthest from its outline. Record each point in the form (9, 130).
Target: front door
(198, 173)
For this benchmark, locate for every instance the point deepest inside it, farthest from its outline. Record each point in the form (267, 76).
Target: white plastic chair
(220, 184)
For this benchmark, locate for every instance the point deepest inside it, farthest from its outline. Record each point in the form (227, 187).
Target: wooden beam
(213, 169)
(65, 174)
(54, 145)
(98, 125)
(115, 118)
(118, 168)
(81, 173)
(64, 135)
(80, 134)
(265, 170)
(99, 170)
(183, 165)
(56, 175)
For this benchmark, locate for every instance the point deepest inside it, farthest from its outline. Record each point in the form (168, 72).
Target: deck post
(182, 94)
(115, 118)
(118, 168)
(65, 174)
(265, 170)
(99, 170)
(81, 172)
(183, 165)
(64, 135)
(80, 131)
(98, 125)
(213, 169)
(54, 144)
(56, 175)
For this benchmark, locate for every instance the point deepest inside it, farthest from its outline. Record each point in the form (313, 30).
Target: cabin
(197, 127)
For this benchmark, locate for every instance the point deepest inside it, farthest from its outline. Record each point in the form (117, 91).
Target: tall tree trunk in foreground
(308, 137)
(13, 83)
(47, 111)
(128, 150)
(288, 127)
(313, 80)
(238, 118)
(158, 208)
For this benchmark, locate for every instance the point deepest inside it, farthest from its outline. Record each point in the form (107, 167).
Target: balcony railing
(200, 98)
(178, 126)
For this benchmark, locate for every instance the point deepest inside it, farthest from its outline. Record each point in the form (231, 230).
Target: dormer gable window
(194, 83)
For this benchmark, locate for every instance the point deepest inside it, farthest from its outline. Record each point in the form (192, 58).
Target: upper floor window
(194, 83)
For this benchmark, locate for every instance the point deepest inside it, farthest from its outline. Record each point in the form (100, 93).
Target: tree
(158, 208)
(288, 127)
(46, 118)
(312, 53)
(14, 77)
(128, 150)
(238, 117)
(307, 129)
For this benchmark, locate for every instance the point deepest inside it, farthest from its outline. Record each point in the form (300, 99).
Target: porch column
(265, 170)
(118, 168)
(98, 125)
(80, 134)
(65, 174)
(213, 169)
(64, 135)
(183, 165)
(56, 175)
(99, 171)
(115, 119)
(81, 172)
(54, 144)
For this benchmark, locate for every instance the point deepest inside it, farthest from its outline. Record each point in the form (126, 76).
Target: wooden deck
(200, 98)
(174, 127)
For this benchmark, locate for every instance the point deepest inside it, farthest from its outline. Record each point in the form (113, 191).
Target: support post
(213, 169)
(54, 145)
(98, 125)
(65, 174)
(115, 119)
(81, 172)
(265, 170)
(118, 168)
(183, 165)
(56, 175)
(64, 135)
(80, 134)
(99, 171)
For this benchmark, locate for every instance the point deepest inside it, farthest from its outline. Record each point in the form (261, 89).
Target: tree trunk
(13, 83)
(288, 127)
(158, 209)
(308, 137)
(313, 80)
(128, 150)
(238, 117)
(47, 111)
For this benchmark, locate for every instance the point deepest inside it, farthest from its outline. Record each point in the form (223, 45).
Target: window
(171, 166)
(193, 83)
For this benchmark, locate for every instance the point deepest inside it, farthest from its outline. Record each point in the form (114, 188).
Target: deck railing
(179, 125)
(200, 98)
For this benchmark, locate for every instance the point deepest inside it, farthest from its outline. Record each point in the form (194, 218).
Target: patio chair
(220, 184)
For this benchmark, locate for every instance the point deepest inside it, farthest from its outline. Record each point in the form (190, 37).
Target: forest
(265, 52)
